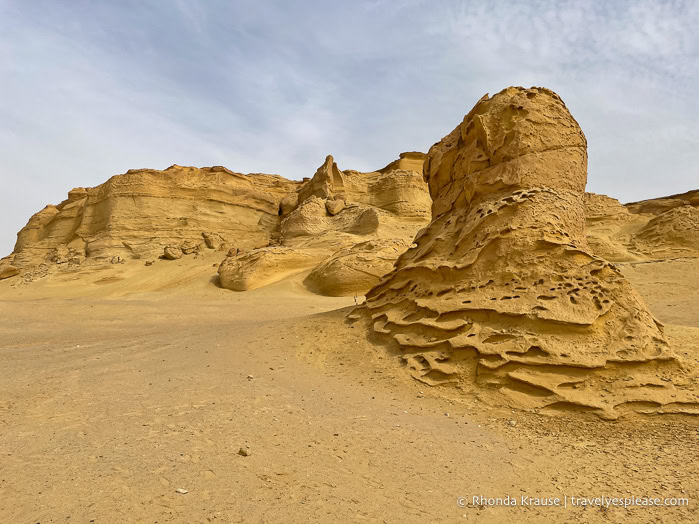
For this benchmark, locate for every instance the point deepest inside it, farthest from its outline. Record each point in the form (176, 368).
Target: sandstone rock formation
(673, 233)
(657, 229)
(502, 296)
(139, 213)
(246, 271)
(657, 206)
(186, 211)
(356, 269)
(335, 210)
(172, 253)
(606, 218)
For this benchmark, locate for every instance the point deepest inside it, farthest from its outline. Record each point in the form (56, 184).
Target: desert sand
(199, 345)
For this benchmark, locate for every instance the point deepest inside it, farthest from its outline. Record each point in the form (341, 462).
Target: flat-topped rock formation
(502, 296)
(657, 206)
(139, 213)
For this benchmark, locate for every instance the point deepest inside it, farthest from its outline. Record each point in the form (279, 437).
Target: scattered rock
(149, 262)
(213, 240)
(172, 253)
(244, 451)
(181, 491)
(190, 247)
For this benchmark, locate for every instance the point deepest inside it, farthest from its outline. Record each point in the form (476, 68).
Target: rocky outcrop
(172, 253)
(657, 229)
(356, 269)
(335, 210)
(410, 161)
(398, 188)
(673, 233)
(502, 296)
(312, 219)
(246, 271)
(607, 222)
(186, 211)
(657, 206)
(139, 213)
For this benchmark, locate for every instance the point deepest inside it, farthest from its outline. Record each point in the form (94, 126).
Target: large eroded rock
(139, 213)
(502, 295)
(264, 266)
(356, 269)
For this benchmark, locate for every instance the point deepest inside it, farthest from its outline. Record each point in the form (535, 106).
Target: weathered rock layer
(141, 212)
(339, 217)
(185, 211)
(502, 295)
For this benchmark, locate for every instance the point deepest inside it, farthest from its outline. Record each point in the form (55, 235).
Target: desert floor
(117, 393)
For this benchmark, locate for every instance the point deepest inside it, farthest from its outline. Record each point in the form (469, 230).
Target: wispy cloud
(91, 89)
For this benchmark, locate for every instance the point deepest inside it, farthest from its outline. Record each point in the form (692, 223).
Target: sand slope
(157, 398)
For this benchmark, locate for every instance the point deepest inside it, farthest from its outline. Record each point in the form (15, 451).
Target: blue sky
(89, 89)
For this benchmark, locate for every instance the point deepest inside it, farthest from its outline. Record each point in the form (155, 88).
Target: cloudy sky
(89, 89)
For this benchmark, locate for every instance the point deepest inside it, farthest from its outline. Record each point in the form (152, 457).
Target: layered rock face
(658, 229)
(657, 206)
(139, 213)
(182, 211)
(337, 208)
(332, 220)
(501, 294)
(398, 188)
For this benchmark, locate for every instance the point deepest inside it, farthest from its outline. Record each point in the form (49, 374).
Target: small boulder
(190, 247)
(172, 253)
(8, 272)
(212, 240)
(333, 207)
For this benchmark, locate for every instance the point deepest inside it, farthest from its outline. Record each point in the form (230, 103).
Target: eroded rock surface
(138, 214)
(356, 269)
(246, 271)
(657, 229)
(335, 210)
(502, 296)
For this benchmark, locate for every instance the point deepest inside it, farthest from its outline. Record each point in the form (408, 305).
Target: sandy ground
(116, 394)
